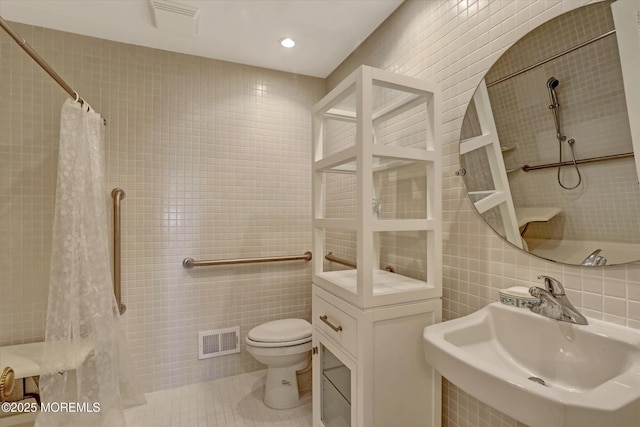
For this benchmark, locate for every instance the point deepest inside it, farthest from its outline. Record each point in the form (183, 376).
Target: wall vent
(218, 342)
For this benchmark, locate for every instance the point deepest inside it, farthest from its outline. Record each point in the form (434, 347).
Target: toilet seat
(282, 332)
(277, 344)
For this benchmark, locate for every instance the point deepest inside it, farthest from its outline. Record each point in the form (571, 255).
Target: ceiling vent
(176, 17)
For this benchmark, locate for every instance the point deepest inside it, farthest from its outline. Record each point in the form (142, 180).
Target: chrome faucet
(594, 258)
(554, 302)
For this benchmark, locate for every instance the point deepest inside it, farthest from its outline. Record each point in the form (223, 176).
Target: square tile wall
(214, 158)
(454, 43)
(28, 160)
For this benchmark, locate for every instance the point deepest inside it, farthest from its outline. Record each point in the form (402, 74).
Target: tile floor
(228, 402)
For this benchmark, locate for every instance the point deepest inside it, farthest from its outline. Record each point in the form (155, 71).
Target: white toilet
(285, 347)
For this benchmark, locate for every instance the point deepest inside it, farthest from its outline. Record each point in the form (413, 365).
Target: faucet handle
(547, 305)
(553, 285)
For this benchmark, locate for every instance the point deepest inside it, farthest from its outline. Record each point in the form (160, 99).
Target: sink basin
(591, 373)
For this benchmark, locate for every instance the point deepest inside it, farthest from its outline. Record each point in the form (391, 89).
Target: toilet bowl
(285, 347)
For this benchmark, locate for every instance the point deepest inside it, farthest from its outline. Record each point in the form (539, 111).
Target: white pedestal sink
(591, 373)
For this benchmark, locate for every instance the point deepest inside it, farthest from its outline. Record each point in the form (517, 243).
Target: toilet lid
(281, 331)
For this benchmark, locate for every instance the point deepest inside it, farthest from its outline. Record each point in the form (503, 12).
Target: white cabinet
(377, 183)
(380, 378)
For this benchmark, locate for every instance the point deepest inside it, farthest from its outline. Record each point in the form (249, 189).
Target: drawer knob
(331, 325)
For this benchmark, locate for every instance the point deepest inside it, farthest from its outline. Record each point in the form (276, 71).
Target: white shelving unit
(377, 183)
(376, 103)
(500, 196)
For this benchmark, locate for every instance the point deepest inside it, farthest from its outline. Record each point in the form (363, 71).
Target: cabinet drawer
(335, 324)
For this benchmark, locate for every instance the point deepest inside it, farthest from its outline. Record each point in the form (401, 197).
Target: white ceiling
(242, 31)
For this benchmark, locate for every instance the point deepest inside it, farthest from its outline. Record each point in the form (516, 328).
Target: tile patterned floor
(228, 402)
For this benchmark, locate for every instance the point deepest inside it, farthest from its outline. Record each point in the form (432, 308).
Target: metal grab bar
(332, 258)
(190, 262)
(551, 58)
(117, 194)
(528, 168)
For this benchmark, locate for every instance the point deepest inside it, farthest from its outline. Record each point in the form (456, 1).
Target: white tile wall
(455, 43)
(214, 159)
(27, 183)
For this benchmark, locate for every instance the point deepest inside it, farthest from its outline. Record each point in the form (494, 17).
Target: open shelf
(385, 157)
(387, 101)
(377, 185)
(384, 282)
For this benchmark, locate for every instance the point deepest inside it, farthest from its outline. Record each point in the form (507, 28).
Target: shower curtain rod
(41, 62)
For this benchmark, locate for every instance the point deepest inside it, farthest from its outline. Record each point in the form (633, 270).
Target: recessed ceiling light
(287, 42)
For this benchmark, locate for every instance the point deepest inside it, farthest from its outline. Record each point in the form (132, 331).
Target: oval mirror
(546, 147)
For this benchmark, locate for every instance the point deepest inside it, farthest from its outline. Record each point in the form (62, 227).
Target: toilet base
(281, 387)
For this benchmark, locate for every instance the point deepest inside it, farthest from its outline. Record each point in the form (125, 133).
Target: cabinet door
(334, 380)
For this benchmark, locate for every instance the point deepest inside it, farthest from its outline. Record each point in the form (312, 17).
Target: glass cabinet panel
(336, 390)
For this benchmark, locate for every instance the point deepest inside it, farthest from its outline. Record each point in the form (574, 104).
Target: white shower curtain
(85, 376)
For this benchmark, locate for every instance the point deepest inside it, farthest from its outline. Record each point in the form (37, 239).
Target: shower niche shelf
(526, 215)
(376, 203)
